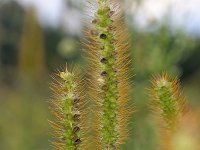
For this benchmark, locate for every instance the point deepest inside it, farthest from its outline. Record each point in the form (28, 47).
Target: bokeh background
(39, 36)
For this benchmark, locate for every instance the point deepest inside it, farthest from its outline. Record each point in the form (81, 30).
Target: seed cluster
(108, 58)
(66, 108)
(103, 24)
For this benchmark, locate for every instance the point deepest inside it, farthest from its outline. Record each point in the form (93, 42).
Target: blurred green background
(33, 47)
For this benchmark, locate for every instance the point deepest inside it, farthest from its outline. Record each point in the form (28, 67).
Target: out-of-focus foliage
(23, 118)
(68, 48)
(163, 50)
(23, 106)
(31, 50)
(11, 20)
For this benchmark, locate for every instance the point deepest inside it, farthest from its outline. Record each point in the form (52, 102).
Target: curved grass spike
(68, 108)
(109, 61)
(168, 106)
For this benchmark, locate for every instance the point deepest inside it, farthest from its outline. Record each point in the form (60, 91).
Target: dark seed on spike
(111, 13)
(76, 129)
(77, 141)
(94, 21)
(104, 87)
(77, 117)
(103, 60)
(76, 100)
(104, 73)
(103, 36)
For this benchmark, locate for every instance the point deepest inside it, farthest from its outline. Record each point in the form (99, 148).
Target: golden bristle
(93, 49)
(168, 107)
(68, 91)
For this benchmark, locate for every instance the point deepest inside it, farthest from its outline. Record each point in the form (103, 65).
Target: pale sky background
(184, 13)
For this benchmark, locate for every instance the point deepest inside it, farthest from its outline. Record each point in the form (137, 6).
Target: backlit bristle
(108, 59)
(168, 106)
(68, 107)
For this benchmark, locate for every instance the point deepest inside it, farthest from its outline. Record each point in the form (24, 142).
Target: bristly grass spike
(109, 61)
(168, 106)
(68, 107)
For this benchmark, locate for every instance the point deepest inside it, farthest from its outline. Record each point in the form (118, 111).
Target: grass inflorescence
(107, 51)
(168, 106)
(68, 107)
(106, 45)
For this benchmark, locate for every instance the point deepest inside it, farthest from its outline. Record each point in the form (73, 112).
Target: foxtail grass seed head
(108, 59)
(168, 106)
(67, 105)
